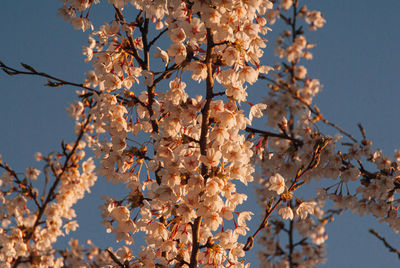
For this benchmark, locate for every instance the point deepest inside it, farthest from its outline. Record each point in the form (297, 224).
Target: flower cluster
(164, 110)
(198, 145)
(300, 154)
(32, 218)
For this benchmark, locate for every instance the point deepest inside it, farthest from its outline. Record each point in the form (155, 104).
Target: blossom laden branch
(132, 46)
(58, 175)
(312, 108)
(287, 196)
(24, 186)
(181, 180)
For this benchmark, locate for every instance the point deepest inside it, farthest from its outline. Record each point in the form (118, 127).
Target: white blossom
(277, 183)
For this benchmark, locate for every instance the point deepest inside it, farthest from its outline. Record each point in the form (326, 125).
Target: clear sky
(356, 59)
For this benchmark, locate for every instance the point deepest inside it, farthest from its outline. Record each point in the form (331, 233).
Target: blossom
(32, 173)
(213, 220)
(199, 70)
(178, 51)
(194, 29)
(149, 77)
(277, 183)
(38, 156)
(286, 213)
(243, 216)
(212, 158)
(286, 4)
(120, 213)
(162, 54)
(304, 209)
(315, 19)
(300, 72)
(81, 24)
(71, 226)
(230, 56)
(257, 110)
(177, 35)
(66, 12)
(248, 74)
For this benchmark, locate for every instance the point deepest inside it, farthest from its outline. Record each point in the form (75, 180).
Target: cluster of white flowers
(27, 233)
(302, 154)
(198, 148)
(180, 147)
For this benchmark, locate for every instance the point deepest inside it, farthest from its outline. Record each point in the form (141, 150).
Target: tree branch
(314, 162)
(31, 71)
(60, 82)
(157, 37)
(387, 245)
(271, 134)
(50, 194)
(135, 53)
(203, 140)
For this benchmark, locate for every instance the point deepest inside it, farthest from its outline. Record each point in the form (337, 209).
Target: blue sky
(356, 59)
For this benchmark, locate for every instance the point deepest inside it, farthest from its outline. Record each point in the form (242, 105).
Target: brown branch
(195, 243)
(135, 53)
(291, 245)
(151, 96)
(319, 146)
(146, 48)
(222, 93)
(60, 82)
(314, 111)
(165, 74)
(300, 242)
(50, 194)
(116, 260)
(20, 183)
(32, 71)
(293, 24)
(157, 37)
(271, 134)
(387, 245)
(339, 129)
(209, 96)
(362, 130)
(203, 140)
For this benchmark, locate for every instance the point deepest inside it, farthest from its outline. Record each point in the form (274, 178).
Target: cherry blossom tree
(165, 112)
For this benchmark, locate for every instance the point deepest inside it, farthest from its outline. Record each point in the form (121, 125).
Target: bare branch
(271, 134)
(387, 245)
(157, 37)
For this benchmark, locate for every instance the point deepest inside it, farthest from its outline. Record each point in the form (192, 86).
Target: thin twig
(387, 245)
(32, 71)
(362, 130)
(157, 37)
(60, 82)
(271, 134)
(115, 259)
